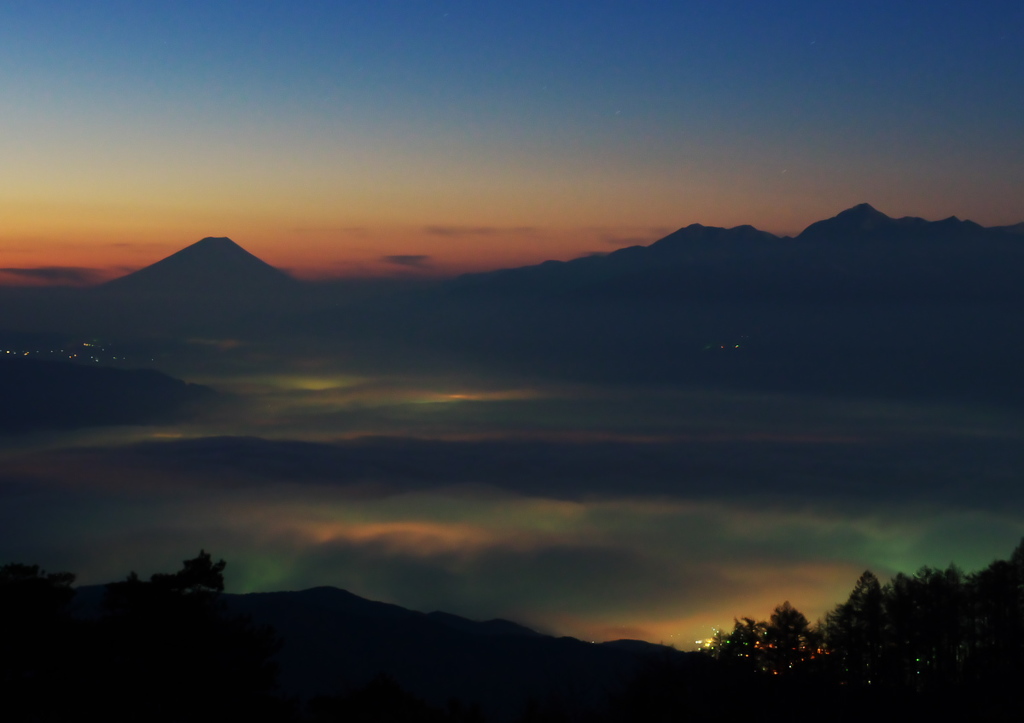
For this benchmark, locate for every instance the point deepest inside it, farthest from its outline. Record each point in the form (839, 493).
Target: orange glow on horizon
(436, 237)
(311, 243)
(322, 254)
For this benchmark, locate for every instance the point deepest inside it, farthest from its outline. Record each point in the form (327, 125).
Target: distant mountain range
(859, 254)
(860, 303)
(860, 250)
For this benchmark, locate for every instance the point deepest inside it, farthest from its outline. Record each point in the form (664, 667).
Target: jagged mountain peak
(854, 222)
(862, 209)
(863, 216)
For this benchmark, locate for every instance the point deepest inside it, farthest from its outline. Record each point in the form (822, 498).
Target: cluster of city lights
(94, 352)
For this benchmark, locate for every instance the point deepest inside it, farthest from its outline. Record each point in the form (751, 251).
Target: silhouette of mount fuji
(211, 267)
(212, 286)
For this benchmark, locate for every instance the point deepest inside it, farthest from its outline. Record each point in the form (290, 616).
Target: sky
(398, 138)
(575, 463)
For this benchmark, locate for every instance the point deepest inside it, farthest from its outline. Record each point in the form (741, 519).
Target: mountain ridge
(219, 267)
(859, 252)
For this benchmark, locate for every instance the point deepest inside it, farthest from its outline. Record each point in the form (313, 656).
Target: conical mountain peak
(215, 266)
(219, 245)
(216, 242)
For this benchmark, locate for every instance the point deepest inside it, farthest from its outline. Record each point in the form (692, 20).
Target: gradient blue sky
(327, 136)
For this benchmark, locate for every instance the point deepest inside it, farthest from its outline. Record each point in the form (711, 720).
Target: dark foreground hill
(335, 642)
(40, 395)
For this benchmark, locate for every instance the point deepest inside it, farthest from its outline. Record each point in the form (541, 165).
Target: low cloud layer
(664, 568)
(62, 275)
(479, 230)
(416, 261)
(659, 540)
(950, 471)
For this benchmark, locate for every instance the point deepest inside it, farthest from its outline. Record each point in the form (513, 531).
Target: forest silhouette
(169, 649)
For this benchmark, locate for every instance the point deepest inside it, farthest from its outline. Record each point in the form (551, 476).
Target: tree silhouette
(743, 649)
(791, 643)
(37, 637)
(854, 632)
(998, 620)
(927, 626)
(172, 641)
(28, 592)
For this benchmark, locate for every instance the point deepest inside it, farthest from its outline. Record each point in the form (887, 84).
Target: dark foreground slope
(336, 641)
(41, 395)
(341, 657)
